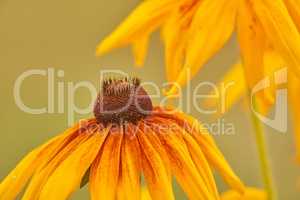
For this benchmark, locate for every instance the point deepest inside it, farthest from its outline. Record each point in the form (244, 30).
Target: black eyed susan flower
(127, 139)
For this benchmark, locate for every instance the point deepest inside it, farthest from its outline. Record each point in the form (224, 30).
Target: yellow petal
(250, 194)
(155, 167)
(12, 185)
(144, 19)
(130, 184)
(17, 179)
(145, 194)
(253, 45)
(281, 30)
(174, 34)
(293, 91)
(189, 178)
(104, 173)
(219, 162)
(43, 173)
(272, 63)
(67, 177)
(139, 49)
(211, 28)
(174, 49)
(293, 7)
(200, 161)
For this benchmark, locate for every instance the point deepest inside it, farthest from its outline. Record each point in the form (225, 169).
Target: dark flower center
(122, 100)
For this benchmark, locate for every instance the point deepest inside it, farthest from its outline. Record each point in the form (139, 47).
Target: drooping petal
(200, 161)
(155, 166)
(272, 63)
(174, 49)
(144, 19)
(139, 49)
(293, 92)
(215, 157)
(130, 175)
(43, 173)
(280, 29)
(208, 146)
(17, 179)
(104, 173)
(12, 185)
(212, 26)
(250, 194)
(189, 178)
(174, 34)
(253, 43)
(67, 177)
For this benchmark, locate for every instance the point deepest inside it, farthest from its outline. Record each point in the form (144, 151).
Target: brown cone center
(122, 100)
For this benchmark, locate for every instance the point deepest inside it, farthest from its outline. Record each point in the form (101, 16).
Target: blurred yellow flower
(195, 30)
(117, 147)
(250, 194)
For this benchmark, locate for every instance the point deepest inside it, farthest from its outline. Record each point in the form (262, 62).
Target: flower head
(116, 147)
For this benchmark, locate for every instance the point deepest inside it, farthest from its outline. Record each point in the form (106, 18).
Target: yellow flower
(119, 145)
(195, 30)
(250, 194)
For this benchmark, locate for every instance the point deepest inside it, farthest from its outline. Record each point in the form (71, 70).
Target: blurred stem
(263, 155)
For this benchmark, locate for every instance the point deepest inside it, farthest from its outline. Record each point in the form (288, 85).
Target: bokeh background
(62, 34)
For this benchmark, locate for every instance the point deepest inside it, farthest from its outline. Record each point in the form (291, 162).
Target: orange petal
(200, 161)
(104, 173)
(209, 148)
(189, 178)
(67, 177)
(12, 185)
(155, 167)
(43, 173)
(130, 176)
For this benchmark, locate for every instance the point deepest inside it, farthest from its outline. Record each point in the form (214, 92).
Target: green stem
(263, 155)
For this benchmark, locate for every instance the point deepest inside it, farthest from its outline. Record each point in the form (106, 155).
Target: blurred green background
(62, 34)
